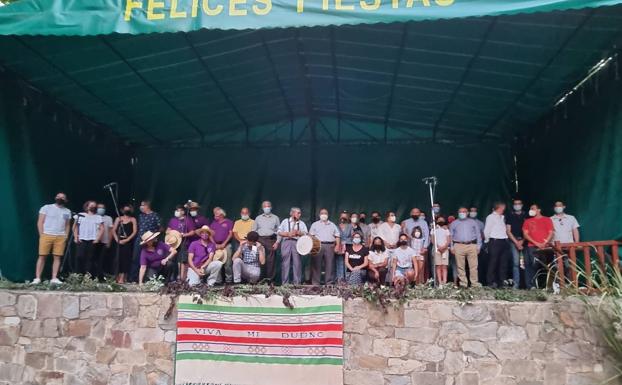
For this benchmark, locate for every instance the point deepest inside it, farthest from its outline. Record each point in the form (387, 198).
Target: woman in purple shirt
(156, 258)
(185, 225)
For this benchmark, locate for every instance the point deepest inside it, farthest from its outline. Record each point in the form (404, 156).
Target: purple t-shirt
(221, 229)
(201, 252)
(183, 226)
(153, 258)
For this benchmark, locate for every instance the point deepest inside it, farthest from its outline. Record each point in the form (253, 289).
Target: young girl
(441, 258)
(404, 265)
(378, 262)
(418, 246)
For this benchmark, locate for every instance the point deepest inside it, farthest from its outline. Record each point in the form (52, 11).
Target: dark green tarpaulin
(102, 17)
(578, 159)
(46, 148)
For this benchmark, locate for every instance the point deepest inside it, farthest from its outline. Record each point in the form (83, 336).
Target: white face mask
(417, 234)
(179, 213)
(392, 218)
(356, 240)
(101, 211)
(518, 207)
(267, 210)
(354, 219)
(473, 214)
(194, 213)
(532, 213)
(558, 209)
(244, 217)
(323, 217)
(462, 215)
(436, 209)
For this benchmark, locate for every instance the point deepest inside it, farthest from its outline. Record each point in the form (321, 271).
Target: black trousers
(85, 251)
(499, 256)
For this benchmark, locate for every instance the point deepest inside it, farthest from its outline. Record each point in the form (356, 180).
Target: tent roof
(447, 80)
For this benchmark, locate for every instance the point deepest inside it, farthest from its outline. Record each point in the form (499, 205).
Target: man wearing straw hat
(156, 257)
(201, 259)
(223, 232)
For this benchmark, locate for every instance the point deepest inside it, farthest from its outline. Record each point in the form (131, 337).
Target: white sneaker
(36, 281)
(56, 281)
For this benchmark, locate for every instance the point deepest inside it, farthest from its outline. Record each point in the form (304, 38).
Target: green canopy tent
(333, 105)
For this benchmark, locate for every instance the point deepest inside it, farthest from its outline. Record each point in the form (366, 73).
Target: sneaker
(56, 281)
(36, 281)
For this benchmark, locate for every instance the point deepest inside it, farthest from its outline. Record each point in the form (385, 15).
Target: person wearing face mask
(345, 235)
(417, 244)
(223, 232)
(514, 227)
(328, 234)
(538, 231)
(266, 225)
(156, 258)
(185, 225)
(148, 220)
(102, 254)
(243, 226)
(436, 207)
(378, 262)
(365, 228)
(442, 239)
(403, 262)
(415, 220)
(53, 226)
(198, 219)
(374, 225)
(466, 239)
(495, 233)
(356, 260)
(124, 230)
(290, 230)
(390, 232)
(248, 259)
(201, 261)
(566, 225)
(88, 230)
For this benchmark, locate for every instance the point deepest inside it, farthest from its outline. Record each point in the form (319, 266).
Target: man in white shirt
(495, 234)
(53, 227)
(328, 234)
(565, 225)
(290, 230)
(103, 256)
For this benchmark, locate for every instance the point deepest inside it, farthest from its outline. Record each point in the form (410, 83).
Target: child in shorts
(418, 246)
(442, 241)
(403, 262)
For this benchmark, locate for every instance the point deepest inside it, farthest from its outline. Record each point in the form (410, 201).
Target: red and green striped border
(259, 359)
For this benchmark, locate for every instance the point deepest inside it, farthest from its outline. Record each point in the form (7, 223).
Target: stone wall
(96, 338)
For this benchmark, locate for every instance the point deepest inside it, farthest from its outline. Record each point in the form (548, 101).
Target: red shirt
(538, 228)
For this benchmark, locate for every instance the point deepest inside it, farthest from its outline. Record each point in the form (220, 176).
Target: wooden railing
(585, 248)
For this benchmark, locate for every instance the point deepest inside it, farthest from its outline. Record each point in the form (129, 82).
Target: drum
(308, 245)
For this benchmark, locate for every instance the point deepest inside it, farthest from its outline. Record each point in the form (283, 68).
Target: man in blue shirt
(466, 239)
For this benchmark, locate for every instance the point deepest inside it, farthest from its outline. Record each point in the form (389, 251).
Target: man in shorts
(53, 227)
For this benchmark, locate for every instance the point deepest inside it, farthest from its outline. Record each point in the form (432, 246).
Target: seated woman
(156, 258)
(404, 262)
(248, 259)
(201, 260)
(378, 262)
(356, 260)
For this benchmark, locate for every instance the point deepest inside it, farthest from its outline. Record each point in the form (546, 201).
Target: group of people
(356, 249)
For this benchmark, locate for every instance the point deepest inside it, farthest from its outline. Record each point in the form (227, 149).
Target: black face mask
(414, 217)
(127, 212)
(441, 223)
(60, 201)
(343, 220)
(362, 219)
(377, 246)
(92, 209)
(402, 243)
(375, 220)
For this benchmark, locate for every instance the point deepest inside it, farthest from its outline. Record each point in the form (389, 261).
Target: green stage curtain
(44, 148)
(578, 159)
(336, 177)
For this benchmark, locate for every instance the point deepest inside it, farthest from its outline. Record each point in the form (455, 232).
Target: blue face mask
(462, 215)
(267, 210)
(101, 211)
(356, 240)
(436, 210)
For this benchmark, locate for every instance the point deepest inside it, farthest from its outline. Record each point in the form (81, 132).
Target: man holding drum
(290, 230)
(328, 234)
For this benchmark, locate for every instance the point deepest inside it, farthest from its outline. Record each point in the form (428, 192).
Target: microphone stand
(67, 255)
(432, 181)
